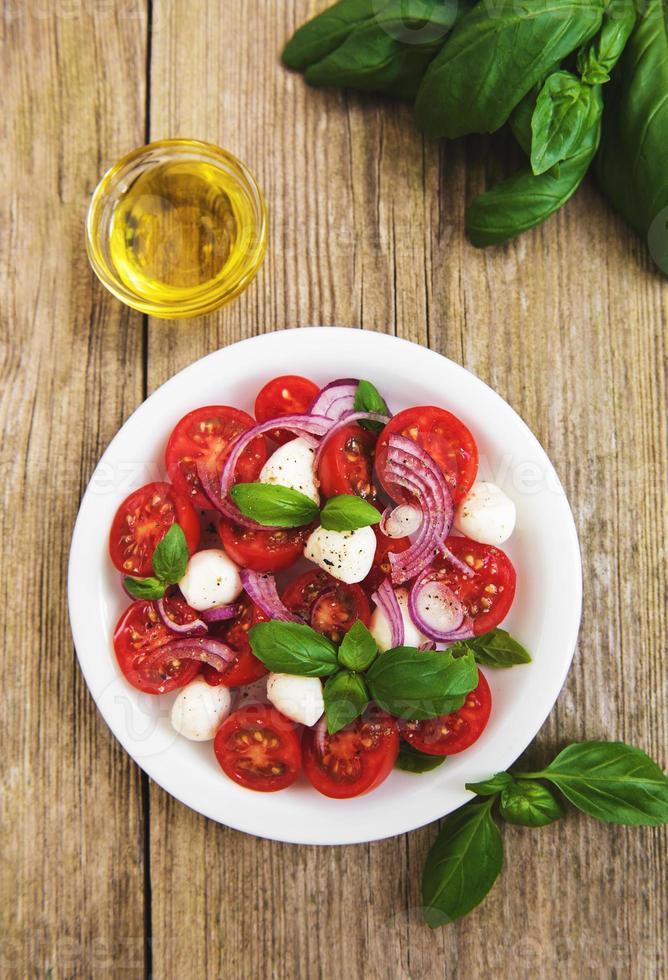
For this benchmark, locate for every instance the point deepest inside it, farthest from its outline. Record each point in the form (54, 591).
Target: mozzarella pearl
(199, 710)
(292, 466)
(298, 698)
(486, 514)
(211, 579)
(380, 626)
(346, 555)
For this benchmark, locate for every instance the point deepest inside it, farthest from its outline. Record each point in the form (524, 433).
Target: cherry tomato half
(381, 568)
(444, 437)
(138, 634)
(263, 551)
(330, 606)
(203, 437)
(287, 395)
(488, 594)
(245, 668)
(142, 521)
(452, 733)
(346, 465)
(355, 760)
(259, 748)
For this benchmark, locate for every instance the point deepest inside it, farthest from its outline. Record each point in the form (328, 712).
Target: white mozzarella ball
(298, 698)
(292, 466)
(346, 555)
(200, 709)
(380, 625)
(211, 579)
(486, 514)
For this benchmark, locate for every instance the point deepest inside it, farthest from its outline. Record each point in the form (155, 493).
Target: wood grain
(568, 324)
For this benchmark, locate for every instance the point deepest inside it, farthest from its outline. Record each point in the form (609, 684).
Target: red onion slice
(203, 648)
(400, 521)
(436, 611)
(225, 507)
(341, 424)
(196, 626)
(336, 398)
(219, 613)
(386, 600)
(262, 590)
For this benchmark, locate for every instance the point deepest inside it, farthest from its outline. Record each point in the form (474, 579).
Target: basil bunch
(541, 67)
(614, 782)
(169, 561)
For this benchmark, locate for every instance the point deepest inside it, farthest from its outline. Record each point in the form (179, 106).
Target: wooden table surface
(103, 874)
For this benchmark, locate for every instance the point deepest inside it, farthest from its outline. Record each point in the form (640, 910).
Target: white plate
(545, 615)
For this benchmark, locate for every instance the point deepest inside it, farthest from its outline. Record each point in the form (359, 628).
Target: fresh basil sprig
(345, 696)
(412, 760)
(169, 561)
(494, 649)
(346, 512)
(529, 804)
(369, 399)
(358, 648)
(293, 648)
(419, 684)
(274, 505)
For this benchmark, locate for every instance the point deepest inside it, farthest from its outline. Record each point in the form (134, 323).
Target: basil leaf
(491, 786)
(631, 164)
(292, 648)
(170, 557)
(560, 119)
(144, 588)
(462, 865)
(345, 697)
(597, 59)
(369, 399)
(611, 781)
(419, 684)
(525, 200)
(324, 33)
(347, 513)
(274, 505)
(494, 56)
(412, 760)
(529, 804)
(358, 648)
(494, 649)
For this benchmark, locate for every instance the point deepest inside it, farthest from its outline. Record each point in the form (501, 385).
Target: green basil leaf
(597, 59)
(170, 557)
(324, 33)
(525, 200)
(347, 513)
(358, 648)
(494, 649)
(292, 648)
(611, 781)
(274, 505)
(529, 804)
(491, 786)
(419, 684)
(412, 760)
(345, 697)
(563, 115)
(369, 399)
(144, 588)
(462, 865)
(494, 56)
(631, 165)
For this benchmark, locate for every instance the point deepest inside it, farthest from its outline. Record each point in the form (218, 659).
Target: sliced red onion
(262, 590)
(225, 507)
(436, 611)
(341, 424)
(336, 398)
(202, 648)
(196, 626)
(219, 613)
(320, 735)
(460, 565)
(427, 646)
(386, 599)
(400, 521)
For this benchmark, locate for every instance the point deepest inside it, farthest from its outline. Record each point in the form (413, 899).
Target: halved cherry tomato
(259, 748)
(330, 606)
(444, 437)
(287, 395)
(245, 668)
(381, 568)
(138, 634)
(263, 551)
(142, 521)
(452, 733)
(203, 437)
(346, 465)
(355, 760)
(488, 594)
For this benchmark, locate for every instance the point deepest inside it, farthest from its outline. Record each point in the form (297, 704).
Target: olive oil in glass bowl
(177, 228)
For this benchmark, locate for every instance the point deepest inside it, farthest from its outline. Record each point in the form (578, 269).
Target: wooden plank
(568, 324)
(71, 879)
